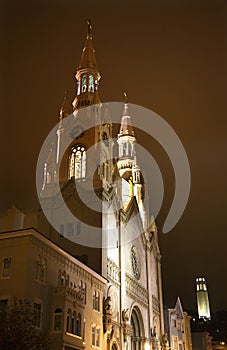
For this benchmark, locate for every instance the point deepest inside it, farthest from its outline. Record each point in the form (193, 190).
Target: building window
(70, 229)
(78, 325)
(6, 267)
(77, 164)
(93, 335)
(82, 290)
(63, 278)
(175, 343)
(91, 83)
(57, 319)
(61, 230)
(40, 269)
(78, 228)
(73, 323)
(68, 321)
(84, 83)
(96, 300)
(37, 315)
(97, 337)
(179, 326)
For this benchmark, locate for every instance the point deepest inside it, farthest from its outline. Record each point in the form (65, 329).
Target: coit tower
(202, 298)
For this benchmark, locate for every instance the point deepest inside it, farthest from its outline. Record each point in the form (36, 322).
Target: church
(89, 257)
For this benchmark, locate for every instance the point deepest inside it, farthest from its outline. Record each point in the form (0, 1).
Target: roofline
(31, 231)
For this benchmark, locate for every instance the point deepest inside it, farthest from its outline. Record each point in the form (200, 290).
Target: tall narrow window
(96, 300)
(84, 83)
(6, 267)
(40, 273)
(57, 319)
(78, 325)
(68, 321)
(91, 83)
(77, 164)
(70, 229)
(61, 230)
(73, 323)
(97, 337)
(93, 335)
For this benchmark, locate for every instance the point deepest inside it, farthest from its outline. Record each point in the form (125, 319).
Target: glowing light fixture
(147, 346)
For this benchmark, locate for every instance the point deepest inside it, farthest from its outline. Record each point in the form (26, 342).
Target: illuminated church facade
(115, 273)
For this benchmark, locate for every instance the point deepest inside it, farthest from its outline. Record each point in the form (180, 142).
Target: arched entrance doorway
(137, 337)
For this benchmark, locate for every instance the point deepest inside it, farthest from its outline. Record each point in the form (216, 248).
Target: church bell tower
(127, 253)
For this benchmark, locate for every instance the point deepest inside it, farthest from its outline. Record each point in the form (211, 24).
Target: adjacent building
(177, 323)
(67, 296)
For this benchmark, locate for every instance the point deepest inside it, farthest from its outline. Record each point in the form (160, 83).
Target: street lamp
(147, 346)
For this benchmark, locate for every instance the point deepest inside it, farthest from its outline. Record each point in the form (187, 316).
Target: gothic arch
(77, 162)
(136, 321)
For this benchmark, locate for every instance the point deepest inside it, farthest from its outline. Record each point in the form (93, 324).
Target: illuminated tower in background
(202, 298)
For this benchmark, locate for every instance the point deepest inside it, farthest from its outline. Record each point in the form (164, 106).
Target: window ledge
(73, 335)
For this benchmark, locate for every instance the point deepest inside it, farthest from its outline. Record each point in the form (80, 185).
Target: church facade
(106, 229)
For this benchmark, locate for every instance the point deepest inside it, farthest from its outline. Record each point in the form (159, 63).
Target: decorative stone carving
(107, 315)
(127, 329)
(125, 315)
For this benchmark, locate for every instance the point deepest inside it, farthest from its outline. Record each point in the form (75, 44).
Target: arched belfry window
(77, 162)
(91, 84)
(84, 83)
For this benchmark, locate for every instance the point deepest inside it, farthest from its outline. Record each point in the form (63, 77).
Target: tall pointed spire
(66, 108)
(88, 59)
(87, 75)
(126, 128)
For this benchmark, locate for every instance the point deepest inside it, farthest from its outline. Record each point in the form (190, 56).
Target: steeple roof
(66, 108)
(88, 59)
(126, 128)
(51, 159)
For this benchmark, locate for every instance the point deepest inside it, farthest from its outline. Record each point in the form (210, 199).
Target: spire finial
(125, 96)
(89, 26)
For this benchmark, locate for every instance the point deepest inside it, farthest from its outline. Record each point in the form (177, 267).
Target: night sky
(170, 56)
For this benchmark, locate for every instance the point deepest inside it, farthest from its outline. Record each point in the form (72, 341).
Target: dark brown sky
(171, 58)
